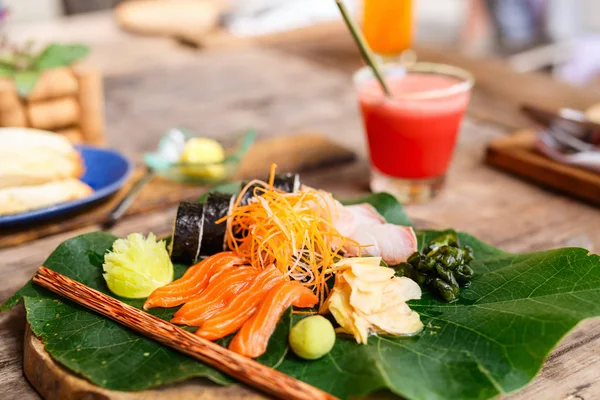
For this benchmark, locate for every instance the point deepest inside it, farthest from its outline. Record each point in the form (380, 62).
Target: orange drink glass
(387, 26)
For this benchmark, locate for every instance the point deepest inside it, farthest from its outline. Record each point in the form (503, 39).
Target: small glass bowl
(164, 162)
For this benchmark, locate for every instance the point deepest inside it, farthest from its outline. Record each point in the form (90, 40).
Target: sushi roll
(217, 206)
(196, 233)
(287, 182)
(187, 233)
(249, 194)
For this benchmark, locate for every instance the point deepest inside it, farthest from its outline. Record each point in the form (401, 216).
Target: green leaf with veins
(493, 340)
(103, 351)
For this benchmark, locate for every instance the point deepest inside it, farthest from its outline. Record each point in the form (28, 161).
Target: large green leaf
(103, 351)
(60, 55)
(493, 340)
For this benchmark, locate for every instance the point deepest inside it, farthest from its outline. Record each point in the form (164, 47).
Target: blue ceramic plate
(106, 172)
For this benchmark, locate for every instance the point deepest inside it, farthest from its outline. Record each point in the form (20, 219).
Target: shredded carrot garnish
(272, 175)
(293, 231)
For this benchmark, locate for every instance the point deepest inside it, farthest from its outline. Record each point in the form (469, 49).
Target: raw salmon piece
(215, 297)
(233, 316)
(253, 338)
(194, 280)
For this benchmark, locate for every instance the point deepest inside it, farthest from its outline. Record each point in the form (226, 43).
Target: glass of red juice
(413, 133)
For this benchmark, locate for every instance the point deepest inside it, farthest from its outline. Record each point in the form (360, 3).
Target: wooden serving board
(517, 154)
(53, 382)
(292, 153)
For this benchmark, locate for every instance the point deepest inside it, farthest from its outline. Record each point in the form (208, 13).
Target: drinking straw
(364, 48)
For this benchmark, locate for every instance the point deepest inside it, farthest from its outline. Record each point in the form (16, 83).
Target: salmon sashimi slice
(233, 316)
(193, 281)
(253, 338)
(219, 292)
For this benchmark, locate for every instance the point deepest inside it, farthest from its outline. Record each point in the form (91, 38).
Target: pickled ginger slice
(367, 299)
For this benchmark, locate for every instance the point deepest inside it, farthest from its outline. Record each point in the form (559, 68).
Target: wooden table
(301, 81)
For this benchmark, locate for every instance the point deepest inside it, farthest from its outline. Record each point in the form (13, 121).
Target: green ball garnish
(312, 338)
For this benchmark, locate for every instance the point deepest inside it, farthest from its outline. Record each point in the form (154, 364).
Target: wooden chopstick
(241, 368)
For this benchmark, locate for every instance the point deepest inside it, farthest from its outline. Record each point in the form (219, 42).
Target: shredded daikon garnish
(293, 231)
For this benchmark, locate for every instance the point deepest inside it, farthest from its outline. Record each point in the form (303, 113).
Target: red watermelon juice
(412, 135)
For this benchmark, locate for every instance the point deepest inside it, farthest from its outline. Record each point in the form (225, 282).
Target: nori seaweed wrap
(196, 233)
(187, 231)
(217, 206)
(249, 194)
(287, 182)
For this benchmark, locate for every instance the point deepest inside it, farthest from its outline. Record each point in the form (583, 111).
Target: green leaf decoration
(6, 70)
(25, 81)
(492, 341)
(101, 350)
(60, 55)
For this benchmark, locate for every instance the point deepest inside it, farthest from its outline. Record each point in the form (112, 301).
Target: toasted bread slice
(33, 157)
(19, 199)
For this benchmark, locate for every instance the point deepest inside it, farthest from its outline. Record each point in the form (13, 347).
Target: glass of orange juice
(387, 26)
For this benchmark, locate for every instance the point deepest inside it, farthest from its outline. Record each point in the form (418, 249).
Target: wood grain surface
(517, 154)
(292, 153)
(54, 382)
(307, 86)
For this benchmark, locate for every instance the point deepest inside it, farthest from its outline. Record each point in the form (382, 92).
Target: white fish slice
(393, 243)
(365, 214)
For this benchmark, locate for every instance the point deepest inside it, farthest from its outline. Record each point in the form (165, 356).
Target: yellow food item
(368, 299)
(312, 338)
(136, 266)
(35, 157)
(200, 151)
(24, 198)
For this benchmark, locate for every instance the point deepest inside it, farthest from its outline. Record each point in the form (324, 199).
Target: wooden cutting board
(517, 154)
(292, 153)
(53, 382)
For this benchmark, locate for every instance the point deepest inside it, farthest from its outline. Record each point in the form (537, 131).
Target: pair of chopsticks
(241, 368)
